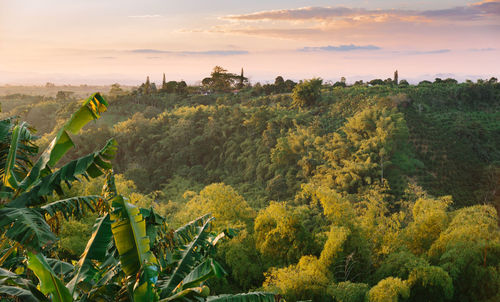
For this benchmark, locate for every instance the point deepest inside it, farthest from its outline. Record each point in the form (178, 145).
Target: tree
(279, 234)
(164, 83)
(242, 80)
(424, 83)
(228, 207)
(430, 218)
(257, 89)
(268, 89)
(395, 80)
(305, 280)
(348, 291)
(171, 87)
(222, 81)
(147, 87)
(376, 82)
(371, 147)
(243, 259)
(181, 88)
(469, 251)
(403, 83)
(450, 81)
(64, 95)
(307, 93)
(400, 265)
(389, 290)
(115, 90)
(290, 85)
(430, 283)
(279, 84)
(339, 84)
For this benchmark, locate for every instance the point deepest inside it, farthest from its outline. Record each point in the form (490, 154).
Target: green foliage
(303, 281)
(371, 147)
(49, 282)
(339, 169)
(26, 226)
(132, 243)
(307, 93)
(430, 218)
(400, 265)
(248, 297)
(389, 289)
(71, 232)
(280, 235)
(220, 80)
(430, 283)
(348, 291)
(469, 250)
(27, 187)
(228, 207)
(245, 264)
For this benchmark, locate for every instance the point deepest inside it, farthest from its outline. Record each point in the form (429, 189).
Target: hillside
(328, 191)
(453, 132)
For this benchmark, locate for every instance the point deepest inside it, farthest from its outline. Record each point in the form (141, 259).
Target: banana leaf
(90, 110)
(49, 282)
(92, 165)
(131, 240)
(204, 271)
(15, 286)
(26, 226)
(95, 250)
(74, 206)
(21, 293)
(186, 259)
(17, 161)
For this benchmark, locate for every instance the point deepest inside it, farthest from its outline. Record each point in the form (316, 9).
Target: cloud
(303, 13)
(475, 11)
(341, 25)
(482, 49)
(187, 53)
(146, 16)
(107, 58)
(489, 7)
(340, 48)
(423, 52)
(145, 50)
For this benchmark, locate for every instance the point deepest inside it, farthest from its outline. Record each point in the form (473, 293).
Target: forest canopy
(377, 191)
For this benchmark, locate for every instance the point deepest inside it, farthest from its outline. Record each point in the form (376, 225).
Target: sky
(109, 41)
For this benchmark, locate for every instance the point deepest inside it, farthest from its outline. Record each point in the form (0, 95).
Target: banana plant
(118, 262)
(26, 188)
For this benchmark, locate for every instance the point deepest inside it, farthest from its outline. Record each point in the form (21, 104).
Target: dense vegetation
(383, 191)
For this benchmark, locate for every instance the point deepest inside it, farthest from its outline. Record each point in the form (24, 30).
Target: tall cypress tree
(242, 78)
(147, 86)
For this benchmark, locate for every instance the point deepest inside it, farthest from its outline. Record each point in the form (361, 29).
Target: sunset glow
(102, 42)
